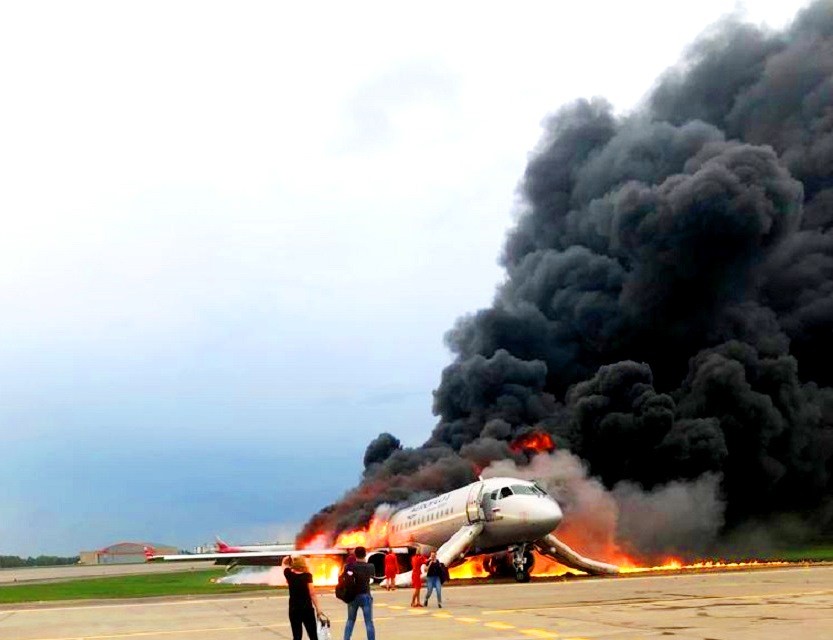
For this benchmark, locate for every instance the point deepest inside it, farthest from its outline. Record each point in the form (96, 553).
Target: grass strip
(822, 553)
(136, 586)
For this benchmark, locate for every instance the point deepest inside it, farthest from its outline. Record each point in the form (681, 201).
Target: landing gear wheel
(522, 561)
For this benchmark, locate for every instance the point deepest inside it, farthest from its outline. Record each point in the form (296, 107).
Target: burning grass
(545, 567)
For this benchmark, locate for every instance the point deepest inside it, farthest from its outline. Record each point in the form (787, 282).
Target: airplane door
(473, 511)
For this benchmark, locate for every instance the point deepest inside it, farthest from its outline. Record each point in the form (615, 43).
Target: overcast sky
(235, 233)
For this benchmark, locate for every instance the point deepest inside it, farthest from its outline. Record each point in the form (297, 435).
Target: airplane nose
(551, 515)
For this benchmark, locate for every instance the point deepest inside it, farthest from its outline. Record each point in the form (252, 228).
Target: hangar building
(123, 553)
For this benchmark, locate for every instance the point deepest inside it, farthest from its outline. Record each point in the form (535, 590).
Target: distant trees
(11, 562)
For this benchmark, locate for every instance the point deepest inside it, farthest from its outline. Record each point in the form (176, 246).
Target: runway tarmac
(736, 605)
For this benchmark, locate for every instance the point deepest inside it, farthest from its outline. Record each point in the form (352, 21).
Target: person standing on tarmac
(303, 603)
(391, 569)
(364, 573)
(434, 578)
(417, 560)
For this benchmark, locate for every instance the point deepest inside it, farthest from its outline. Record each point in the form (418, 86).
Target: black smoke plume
(667, 313)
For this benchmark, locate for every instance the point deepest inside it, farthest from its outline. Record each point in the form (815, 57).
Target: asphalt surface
(736, 605)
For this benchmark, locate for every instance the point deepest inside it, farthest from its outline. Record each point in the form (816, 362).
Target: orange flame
(535, 441)
(373, 536)
(547, 567)
(679, 565)
(318, 541)
(324, 570)
(470, 568)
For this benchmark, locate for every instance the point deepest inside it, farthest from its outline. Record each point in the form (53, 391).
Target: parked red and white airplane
(222, 547)
(503, 518)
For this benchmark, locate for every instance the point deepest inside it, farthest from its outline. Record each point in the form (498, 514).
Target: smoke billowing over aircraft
(667, 312)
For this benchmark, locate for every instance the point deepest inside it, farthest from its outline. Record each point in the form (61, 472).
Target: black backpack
(348, 586)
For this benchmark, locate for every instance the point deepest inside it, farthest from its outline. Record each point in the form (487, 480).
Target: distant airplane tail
(222, 547)
(149, 552)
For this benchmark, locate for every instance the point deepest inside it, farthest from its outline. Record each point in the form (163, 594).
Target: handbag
(324, 627)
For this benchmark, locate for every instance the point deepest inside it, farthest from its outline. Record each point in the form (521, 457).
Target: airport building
(123, 553)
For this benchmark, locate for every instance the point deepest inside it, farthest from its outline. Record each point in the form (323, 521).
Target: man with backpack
(354, 588)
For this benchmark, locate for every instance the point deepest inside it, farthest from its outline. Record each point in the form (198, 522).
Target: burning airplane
(663, 332)
(666, 313)
(504, 519)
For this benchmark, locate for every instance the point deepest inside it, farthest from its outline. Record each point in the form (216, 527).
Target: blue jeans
(365, 601)
(433, 582)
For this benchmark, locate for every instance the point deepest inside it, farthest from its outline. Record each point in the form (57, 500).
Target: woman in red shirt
(416, 577)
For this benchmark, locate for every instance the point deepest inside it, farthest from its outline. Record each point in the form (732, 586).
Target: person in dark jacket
(364, 573)
(303, 603)
(434, 574)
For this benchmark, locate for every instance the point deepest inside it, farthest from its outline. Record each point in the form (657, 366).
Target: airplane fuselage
(511, 511)
(497, 515)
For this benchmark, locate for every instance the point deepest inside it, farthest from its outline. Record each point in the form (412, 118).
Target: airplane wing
(241, 557)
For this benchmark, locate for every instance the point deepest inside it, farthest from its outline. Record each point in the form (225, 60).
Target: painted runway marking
(647, 601)
(499, 625)
(442, 615)
(467, 619)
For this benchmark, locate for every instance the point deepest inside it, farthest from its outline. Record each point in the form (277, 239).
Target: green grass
(139, 586)
(819, 553)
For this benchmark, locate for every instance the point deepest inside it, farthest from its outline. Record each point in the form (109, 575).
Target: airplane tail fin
(149, 552)
(222, 547)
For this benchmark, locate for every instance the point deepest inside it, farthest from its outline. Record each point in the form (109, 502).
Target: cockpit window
(505, 492)
(523, 490)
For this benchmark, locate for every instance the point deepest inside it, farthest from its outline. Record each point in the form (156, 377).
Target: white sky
(258, 219)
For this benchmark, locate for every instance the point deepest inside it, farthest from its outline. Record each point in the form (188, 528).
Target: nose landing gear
(522, 561)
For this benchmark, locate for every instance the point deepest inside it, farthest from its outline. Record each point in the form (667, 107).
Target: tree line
(11, 562)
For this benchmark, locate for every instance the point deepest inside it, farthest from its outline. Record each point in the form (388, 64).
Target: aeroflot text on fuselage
(428, 504)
